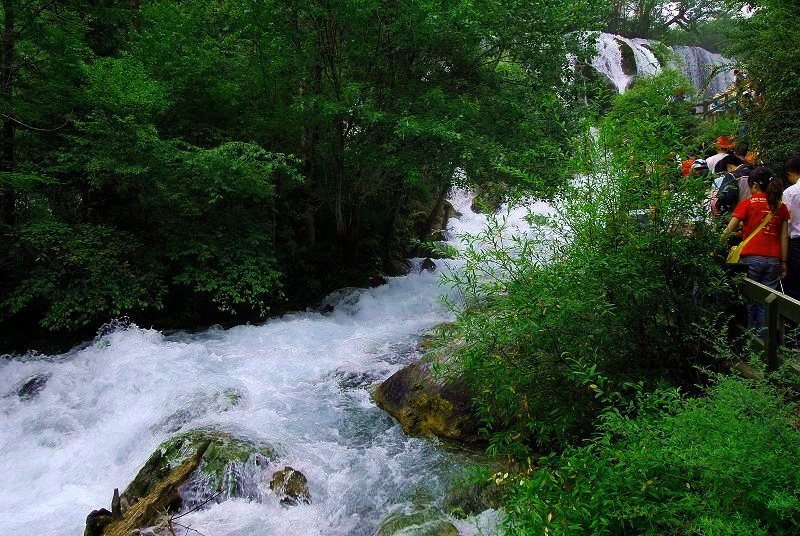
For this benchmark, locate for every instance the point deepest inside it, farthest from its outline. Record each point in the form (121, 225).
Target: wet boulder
(439, 220)
(377, 280)
(153, 508)
(97, 521)
(428, 404)
(220, 474)
(428, 522)
(186, 471)
(469, 499)
(291, 486)
(425, 405)
(430, 339)
(396, 265)
(427, 265)
(30, 388)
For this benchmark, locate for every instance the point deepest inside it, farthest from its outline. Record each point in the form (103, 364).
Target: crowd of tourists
(764, 218)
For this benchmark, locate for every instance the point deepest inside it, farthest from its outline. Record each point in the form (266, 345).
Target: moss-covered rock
(428, 522)
(427, 265)
(148, 510)
(440, 219)
(96, 522)
(291, 486)
(216, 473)
(628, 59)
(433, 336)
(489, 198)
(427, 404)
(469, 499)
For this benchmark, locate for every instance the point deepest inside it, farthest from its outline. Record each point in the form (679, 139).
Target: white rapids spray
(301, 382)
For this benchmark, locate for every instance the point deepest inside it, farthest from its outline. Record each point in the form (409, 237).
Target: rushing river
(302, 383)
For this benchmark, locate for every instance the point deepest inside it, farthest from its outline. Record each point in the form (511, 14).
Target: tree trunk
(338, 176)
(435, 213)
(8, 200)
(390, 228)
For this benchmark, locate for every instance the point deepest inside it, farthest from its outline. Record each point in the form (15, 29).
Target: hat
(724, 142)
(699, 164)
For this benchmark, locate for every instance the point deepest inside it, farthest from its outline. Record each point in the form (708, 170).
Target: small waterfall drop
(646, 62)
(608, 61)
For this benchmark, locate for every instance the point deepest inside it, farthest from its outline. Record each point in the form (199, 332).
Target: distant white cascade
(698, 64)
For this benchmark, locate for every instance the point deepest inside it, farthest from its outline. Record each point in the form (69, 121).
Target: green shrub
(617, 279)
(726, 463)
(80, 274)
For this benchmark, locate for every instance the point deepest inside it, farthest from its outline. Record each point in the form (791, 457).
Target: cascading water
(698, 64)
(300, 383)
(608, 61)
(695, 62)
(646, 62)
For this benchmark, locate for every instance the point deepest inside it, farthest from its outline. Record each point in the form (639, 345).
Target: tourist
(724, 148)
(686, 165)
(763, 250)
(791, 198)
(729, 190)
(700, 168)
(742, 173)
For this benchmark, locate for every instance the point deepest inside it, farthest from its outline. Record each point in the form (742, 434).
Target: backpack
(728, 193)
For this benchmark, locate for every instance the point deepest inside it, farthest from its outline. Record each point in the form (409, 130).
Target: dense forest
(189, 163)
(186, 163)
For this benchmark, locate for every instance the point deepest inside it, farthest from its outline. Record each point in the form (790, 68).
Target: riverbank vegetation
(596, 345)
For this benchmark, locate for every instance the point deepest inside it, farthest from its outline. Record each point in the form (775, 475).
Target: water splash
(608, 61)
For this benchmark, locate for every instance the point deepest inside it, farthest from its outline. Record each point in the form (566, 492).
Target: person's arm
(732, 226)
(784, 247)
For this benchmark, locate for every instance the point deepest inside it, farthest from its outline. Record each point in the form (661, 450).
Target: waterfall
(698, 63)
(695, 62)
(646, 62)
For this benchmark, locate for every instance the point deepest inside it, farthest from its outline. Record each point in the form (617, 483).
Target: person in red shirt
(765, 253)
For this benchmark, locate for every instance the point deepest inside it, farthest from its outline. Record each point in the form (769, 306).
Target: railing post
(771, 318)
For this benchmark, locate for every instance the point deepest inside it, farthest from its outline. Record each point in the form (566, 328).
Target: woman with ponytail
(765, 251)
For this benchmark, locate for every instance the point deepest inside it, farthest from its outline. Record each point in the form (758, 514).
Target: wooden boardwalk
(779, 308)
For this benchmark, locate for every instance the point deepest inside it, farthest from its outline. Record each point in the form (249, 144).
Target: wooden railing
(779, 307)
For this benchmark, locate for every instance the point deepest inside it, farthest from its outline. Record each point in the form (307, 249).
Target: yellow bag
(736, 251)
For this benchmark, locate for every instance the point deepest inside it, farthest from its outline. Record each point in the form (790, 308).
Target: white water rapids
(304, 385)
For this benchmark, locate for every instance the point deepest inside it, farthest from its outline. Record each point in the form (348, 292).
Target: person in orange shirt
(724, 148)
(686, 165)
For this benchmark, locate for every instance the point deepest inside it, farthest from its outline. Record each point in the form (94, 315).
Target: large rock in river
(291, 486)
(429, 405)
(186, 471)
(221, 473)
